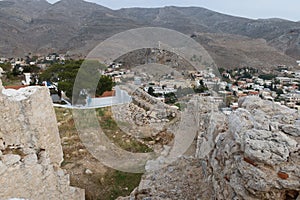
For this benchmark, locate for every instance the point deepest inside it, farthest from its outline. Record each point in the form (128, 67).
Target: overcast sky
(286, 9)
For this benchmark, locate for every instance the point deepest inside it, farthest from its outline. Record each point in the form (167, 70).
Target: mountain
(76, 26)
(230, 51)
(193, 19)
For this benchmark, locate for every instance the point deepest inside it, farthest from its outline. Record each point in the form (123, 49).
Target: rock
(28, 151)
(88, 171)
(292, 130)
(10, 159)
(251, 154)
(3, 168)
(33, 152)
(82, 151)
(266, 147)
(60, 173)
(173, 115)
(1, 86)
(30, 159)
(2, 146)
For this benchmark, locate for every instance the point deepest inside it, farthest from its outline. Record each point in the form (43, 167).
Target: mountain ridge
(78, 26)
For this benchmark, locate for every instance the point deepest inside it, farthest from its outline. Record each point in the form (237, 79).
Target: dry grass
(104, 183)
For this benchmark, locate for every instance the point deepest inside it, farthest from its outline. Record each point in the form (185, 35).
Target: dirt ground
(99, 181)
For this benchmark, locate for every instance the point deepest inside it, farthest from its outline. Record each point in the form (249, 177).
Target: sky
(255, 9)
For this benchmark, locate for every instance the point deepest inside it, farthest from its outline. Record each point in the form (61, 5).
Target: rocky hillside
(78, 26)
(251, 154)
(230, 51)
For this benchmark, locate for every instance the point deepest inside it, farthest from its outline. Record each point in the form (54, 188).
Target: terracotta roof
(15, 87)
(253, 92)
(108, 94)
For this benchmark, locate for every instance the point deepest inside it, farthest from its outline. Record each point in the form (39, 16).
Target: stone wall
(30, 148)
(251, 154)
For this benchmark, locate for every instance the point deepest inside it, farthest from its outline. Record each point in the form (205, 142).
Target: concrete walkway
(121, 97)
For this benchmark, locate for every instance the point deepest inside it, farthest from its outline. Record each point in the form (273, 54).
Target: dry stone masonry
(254, 153)
(30, 148)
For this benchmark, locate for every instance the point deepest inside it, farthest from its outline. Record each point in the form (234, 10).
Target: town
(281, 86)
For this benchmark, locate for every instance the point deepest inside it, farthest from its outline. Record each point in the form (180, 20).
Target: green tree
(170, 98)
(200, 89)
(221, 70)
(66, 75)
(227, 88)
(151, 91)
(279, 92)
(267, 76)
(31, 69)
(105, 84)
(6, 67)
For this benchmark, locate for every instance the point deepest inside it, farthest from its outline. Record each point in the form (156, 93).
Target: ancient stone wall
(30, 148)
(251, 154)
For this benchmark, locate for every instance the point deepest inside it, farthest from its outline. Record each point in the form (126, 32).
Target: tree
(221, 70)
(170, 98)
(66, 74)
(6, 67)
(201, 82)
(151, 91)
(31, 69)
(227, 88)
(105, 84)
(235, 93)
(247, 75)
(279, 92)
(267, 76)
(200, 89)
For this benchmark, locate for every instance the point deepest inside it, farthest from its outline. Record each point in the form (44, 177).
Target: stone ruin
(254, 153)
(30, 148)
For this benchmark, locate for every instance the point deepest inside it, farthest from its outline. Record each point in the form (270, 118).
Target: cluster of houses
(19, 64)
(282, 88)
(23, 66)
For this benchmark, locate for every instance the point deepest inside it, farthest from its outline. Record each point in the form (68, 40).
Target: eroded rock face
(30, 148)
(181, 180)
(256, 157)
(251, 154)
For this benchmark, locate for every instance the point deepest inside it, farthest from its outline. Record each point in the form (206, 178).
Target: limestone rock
(31, 147)
(10, 159)
(292, 130)
(88, 171)
(3, 168)
(251, 154)
(31, 159)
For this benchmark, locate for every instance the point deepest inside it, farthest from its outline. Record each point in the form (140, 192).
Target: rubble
(145, 116)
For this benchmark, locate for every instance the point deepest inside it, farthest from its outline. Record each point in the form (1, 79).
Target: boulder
(31, 147)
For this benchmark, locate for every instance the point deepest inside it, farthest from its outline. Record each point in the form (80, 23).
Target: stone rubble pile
(145, 115)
